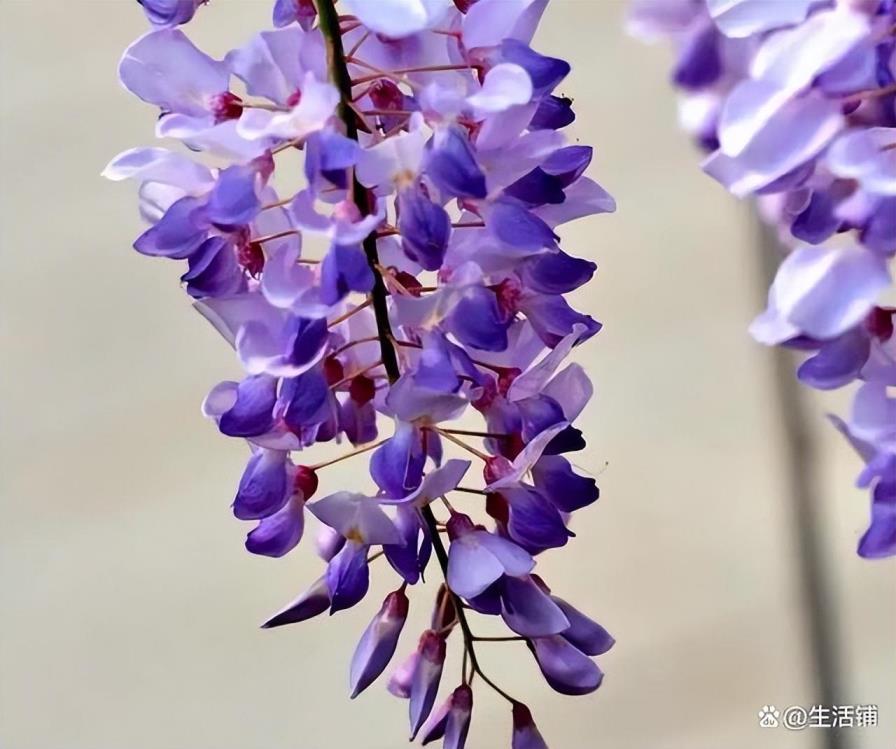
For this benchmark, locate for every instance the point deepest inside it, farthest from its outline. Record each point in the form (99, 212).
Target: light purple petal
(583, 198)
(269, 64)
(506, 85)
(585, 633)
(747, 109)
(222, 140)
(566, 668)
(529, 611)
(794, 134)
(436, 483)
(867, 155)
(398, 18)
(390, 162)
(160, 165)
(873, 417)
(314, 110)
(523, 462)
(533, 381)
(515, 560)
(410, 402)
(164, 68)
(285, 281)
(472, 567)
(824, 292)
(742, 18)
(572, 389)
(230, 314)
(356, 516)
(489, 22)
(792, 58)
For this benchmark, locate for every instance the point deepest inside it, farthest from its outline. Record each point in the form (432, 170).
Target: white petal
(506, 85)
(796, 133)
(398, 18)
(220, 399)
(160, 165)
(825, 292)
(314, 110)
(792, 58)
(165, 68)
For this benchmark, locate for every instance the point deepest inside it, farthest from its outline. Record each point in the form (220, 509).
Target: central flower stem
(329, 27)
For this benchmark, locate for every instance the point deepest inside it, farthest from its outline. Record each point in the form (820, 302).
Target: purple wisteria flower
(796, 104)
(435, 177)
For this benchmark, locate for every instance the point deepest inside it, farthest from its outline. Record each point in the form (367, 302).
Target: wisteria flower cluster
(435, 176)
(795, 101)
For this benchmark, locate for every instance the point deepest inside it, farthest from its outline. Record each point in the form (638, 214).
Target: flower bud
(425, 682)
(362, 390)
(496, 467)
(305, 482)
(452, 720)
(444, 614)
(377, 644)
(312, 602)
(525, 732)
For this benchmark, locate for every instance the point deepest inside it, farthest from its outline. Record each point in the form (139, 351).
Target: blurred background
(129, 609)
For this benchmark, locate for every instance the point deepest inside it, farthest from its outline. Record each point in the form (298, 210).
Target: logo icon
(768, 716)
(796, 718)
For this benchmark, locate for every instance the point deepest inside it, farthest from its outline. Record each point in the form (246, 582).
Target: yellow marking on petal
(354, 535)
(404, 178)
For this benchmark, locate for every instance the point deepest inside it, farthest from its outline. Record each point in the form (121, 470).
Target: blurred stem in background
(801, 460)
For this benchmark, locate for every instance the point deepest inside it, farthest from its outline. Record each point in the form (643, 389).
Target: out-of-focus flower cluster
(796, 102)
(435, 178)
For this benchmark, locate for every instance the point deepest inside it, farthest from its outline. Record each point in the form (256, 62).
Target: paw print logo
(768, 716)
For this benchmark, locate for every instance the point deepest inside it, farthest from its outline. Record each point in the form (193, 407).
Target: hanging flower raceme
(796, 104)
(435, 179)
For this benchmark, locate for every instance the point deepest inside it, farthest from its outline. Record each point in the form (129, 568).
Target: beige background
(129, 608)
